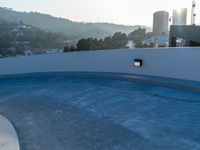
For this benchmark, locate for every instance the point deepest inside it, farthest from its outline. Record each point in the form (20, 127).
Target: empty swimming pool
(61, 112)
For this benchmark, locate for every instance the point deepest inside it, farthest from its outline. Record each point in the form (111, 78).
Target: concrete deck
(8, 136)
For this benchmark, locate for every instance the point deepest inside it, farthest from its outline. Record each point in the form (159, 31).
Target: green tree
(119, 40)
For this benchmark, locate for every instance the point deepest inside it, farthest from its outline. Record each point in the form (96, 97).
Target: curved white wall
(181, 63)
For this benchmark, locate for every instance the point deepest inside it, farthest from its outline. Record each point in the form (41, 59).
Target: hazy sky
(128, 12)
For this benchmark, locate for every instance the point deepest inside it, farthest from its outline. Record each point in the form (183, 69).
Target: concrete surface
(8, 136)
(56, 112)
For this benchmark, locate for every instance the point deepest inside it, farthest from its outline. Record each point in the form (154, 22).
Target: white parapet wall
(180, 63)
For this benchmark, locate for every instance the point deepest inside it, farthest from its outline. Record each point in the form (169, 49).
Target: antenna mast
(193, 15)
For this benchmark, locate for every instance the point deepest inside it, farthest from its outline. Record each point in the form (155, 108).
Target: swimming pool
(59, 112)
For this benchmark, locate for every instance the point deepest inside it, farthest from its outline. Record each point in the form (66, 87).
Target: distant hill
(73, 30)
(20, 39)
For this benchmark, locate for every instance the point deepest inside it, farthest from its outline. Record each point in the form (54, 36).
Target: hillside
(73, 30)
(18, 39)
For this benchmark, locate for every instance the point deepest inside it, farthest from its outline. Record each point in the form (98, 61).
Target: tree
(27, 38)
(83, 44)
(72, 48)
(69, 48)
(107, 43)
(119, 40)
(21, 22)
(138, 34)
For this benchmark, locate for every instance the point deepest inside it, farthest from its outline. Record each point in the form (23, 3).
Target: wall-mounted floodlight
(138, 62)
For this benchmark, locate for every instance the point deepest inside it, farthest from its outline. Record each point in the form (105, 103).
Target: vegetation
(44, 32)
(118, 40)
(138, 36)
(16, 38)
(72, 30)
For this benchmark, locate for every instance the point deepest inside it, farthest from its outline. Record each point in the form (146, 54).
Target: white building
(161, 23)
(180, 16)
(158, 40)
(130, 44)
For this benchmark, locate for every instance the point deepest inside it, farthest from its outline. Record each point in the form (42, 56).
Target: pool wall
(179, 63)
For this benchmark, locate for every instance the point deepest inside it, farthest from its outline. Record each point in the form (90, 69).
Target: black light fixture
(138, 62)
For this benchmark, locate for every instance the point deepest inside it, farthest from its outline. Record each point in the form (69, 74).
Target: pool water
(60, 112)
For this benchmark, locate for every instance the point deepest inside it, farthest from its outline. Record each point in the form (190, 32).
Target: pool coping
(187, 85)
(8, 136)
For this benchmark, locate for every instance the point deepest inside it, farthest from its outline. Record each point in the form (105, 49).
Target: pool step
(8, 136)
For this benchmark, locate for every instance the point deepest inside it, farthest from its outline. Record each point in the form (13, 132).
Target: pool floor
(71, 113)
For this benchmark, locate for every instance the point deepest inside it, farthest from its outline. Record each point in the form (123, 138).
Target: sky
(127, 12)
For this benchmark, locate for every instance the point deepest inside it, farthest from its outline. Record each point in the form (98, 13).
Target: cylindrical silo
(161, 22)
(180, 17)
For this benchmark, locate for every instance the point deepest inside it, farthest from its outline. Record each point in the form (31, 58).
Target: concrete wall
(181, 63)
(189, 33)
(186, 32)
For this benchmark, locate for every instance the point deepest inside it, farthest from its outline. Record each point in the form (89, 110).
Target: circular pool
(61, 112)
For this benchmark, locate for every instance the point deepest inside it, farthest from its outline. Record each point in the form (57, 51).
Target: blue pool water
(58, 112)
